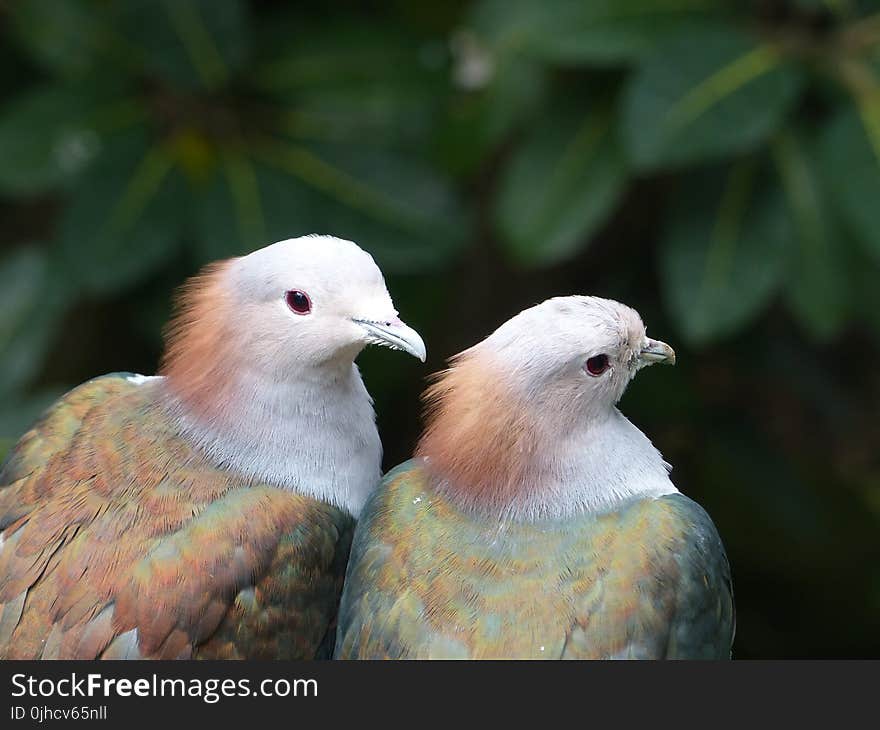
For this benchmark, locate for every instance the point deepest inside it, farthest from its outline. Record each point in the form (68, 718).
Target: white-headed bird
(208, 512)
(536, 521)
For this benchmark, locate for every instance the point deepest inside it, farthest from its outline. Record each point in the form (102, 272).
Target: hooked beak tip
(396, 335)
(656, 351)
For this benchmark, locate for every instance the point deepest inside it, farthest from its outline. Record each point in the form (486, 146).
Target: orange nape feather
(198, 348)
(480, 443)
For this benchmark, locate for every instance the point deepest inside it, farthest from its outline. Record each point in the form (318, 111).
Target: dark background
(714, 164)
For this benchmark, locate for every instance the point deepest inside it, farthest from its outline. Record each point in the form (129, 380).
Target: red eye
(597, 365)
(298, 301)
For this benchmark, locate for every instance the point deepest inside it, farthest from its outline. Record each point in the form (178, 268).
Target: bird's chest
(584, 589)
(317, 442)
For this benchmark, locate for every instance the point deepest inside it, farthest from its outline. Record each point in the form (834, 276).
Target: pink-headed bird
(206, 512)
(536, 521)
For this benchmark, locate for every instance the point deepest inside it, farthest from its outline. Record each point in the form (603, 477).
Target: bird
(535, 521)
(206, 512)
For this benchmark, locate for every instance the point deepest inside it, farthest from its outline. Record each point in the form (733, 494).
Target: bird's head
(585, 349)
(315, 299)
(495, 416)
(283, 311)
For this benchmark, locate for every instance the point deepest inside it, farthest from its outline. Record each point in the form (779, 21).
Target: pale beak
(394, 334)
(655, 351)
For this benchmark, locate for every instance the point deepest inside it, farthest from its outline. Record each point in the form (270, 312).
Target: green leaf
(354, 81)
(399, 209)
(723, 252)
(398, 206)
(842, 8)
(509, 27)
(866, 274)
(33, 298)
(64, 36)
(479, 121)
(379, 113)
(576, 32)
(607, 31)
(561, 185)
(818, 285)
(702, 96)
(616, 31)
(501, 88)
(189, 43)
(47, 136)
(248, 205)
(125, 217)
(850, 166)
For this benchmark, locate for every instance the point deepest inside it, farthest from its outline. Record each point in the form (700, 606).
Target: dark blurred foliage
(714, 164)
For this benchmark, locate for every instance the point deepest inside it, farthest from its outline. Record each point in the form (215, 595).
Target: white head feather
(524, 423)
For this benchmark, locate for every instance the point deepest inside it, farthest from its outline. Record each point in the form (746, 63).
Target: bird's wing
(380, 614)
(425, 580)
(703, 623)
(118, 539)
(51, 434)
(653, 583)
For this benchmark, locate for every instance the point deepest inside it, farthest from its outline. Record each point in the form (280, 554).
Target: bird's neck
(596, 467)
(312, 432)
(499, 455)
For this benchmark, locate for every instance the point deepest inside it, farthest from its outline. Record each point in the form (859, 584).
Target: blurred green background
(714, 164)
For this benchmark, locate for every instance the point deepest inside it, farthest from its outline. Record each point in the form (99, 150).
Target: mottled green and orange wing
(118, 539)
(427, 581)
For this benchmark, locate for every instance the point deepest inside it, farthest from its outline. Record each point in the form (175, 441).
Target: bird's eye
(298, 301)
(597, 365)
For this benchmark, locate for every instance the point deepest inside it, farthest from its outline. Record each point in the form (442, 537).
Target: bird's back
(428, 581)
(118, 539)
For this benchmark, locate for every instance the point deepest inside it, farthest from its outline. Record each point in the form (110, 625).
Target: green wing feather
(427, 581)
(119, 540)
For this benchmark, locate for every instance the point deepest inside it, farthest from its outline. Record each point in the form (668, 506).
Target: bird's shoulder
(120, 539)
(57, 426)
(408, 496)
(703, 623)
(676, 521)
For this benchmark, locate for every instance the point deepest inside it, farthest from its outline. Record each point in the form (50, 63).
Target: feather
(479, 437)
(200, 352)
(10, 616)
(124, 646)
(427, 580)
